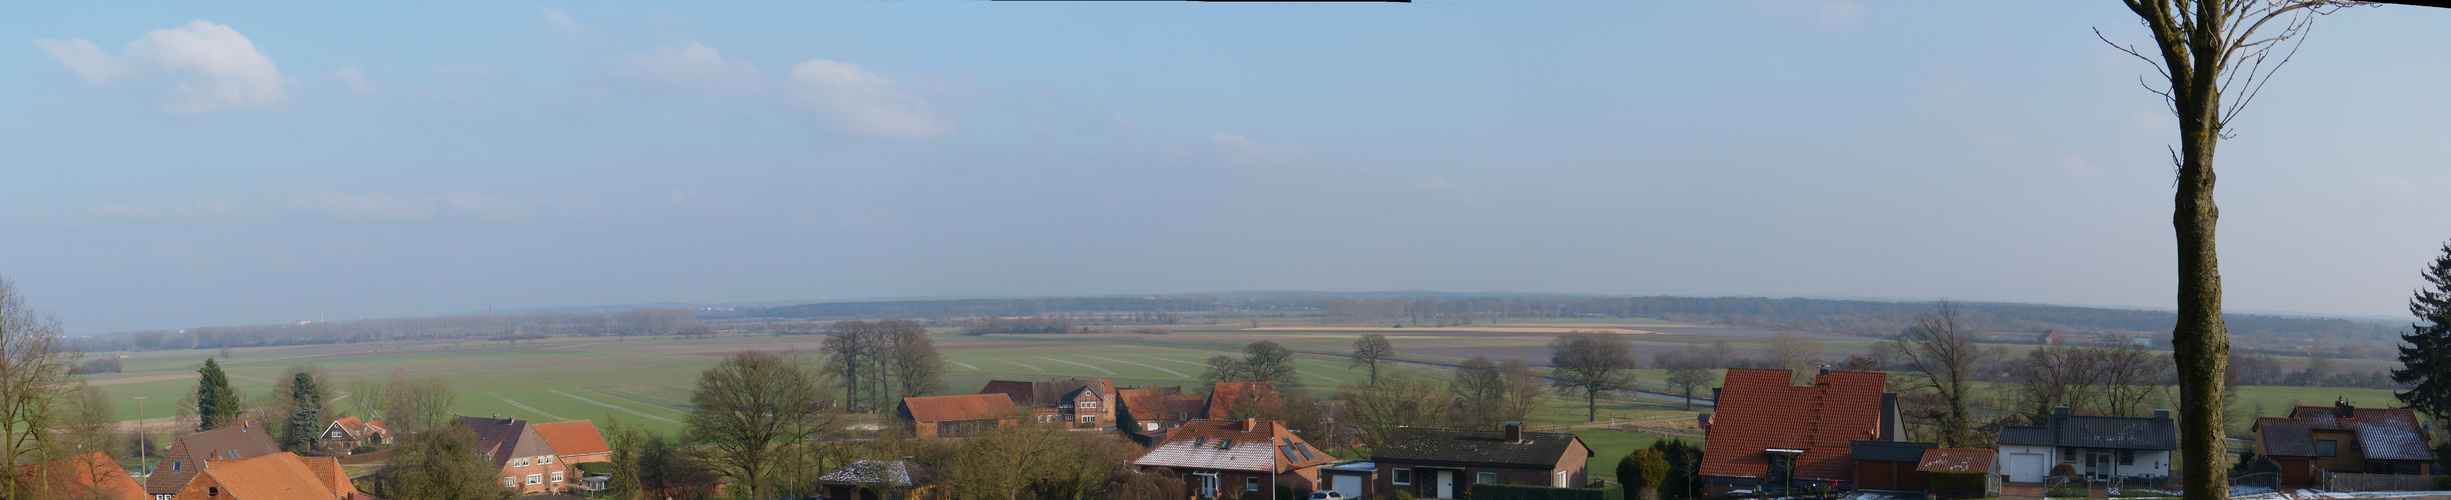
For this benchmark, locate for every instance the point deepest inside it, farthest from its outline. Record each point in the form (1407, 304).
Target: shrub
(2064, 470)
(594, 467)
(2442, 483)
(1521, 492)
(1398, 495)
(1643, 471)
(1957, 485)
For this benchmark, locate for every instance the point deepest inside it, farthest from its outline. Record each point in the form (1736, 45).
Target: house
(1227, 398)
(1772, 436)
(527, 463)
(279, 476)
(1443, 463)
(88, 476)
(1075, 402)
(192, 454)
(2342, 438)
(2098, 447)
(929, 417)
(1890, 465)
(2049, 337)
(349, 433)
(1157, 408)
(1216, 458)
(575, 442)
(880, 480)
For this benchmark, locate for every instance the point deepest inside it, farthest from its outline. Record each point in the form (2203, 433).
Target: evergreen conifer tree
(217, 405)
(1123, 416)
(2424, 365)
(304, 426)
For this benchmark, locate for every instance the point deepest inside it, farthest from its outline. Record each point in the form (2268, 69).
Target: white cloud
(190, 69)
(356, 80)
(562, 25)
(689, 66)
(853, 100)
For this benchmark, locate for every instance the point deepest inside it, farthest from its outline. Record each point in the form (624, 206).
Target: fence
(2350, 482)
(2148, 486)
(2255, 484)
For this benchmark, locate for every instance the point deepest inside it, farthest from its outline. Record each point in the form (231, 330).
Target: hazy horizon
(204, 164)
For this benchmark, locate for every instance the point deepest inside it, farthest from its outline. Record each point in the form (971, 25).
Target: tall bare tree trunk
(2200, 343)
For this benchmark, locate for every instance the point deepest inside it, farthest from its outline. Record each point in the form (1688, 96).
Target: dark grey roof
(1890, 451)
(2126, 433)
(2019, 434)
(890, 473)
(1420, 445)
(2086, 431)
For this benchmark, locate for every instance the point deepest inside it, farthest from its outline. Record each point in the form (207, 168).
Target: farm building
(527, 463)
(1160, 407)
(880, 480)
(1075, 402)
(279, 476)
(349, 433)
(965, 415)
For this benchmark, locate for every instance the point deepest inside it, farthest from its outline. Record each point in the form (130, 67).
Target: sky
(184, 164)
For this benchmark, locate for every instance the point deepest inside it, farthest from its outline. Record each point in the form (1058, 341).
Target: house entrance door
(2097, 464)
(1446, 484)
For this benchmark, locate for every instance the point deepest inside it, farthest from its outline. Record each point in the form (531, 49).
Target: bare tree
(1688, 371)
(416, 405)
(1940, 354)
(1372, 350)
(1591, 363)
(1400, 400)
(911, 359)
(749, 407)
(1475, 394)
(2215, 56)
(1795, 353)
(35, 368)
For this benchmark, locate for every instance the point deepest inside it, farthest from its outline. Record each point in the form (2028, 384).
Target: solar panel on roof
(1306, 450)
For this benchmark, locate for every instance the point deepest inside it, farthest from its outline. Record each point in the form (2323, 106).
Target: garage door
(2025, 467)
(1351, 486)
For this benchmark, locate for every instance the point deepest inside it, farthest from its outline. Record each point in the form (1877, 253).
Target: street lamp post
(141, 438)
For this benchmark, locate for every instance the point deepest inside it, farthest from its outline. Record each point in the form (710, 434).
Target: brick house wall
(1424, 476)
(516, 476)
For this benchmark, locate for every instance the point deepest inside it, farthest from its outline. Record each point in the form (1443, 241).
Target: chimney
(1705, 421)
(2059, 411)
(1251, 424)
(2162, 413)
(2342, 408)
(1514, 431)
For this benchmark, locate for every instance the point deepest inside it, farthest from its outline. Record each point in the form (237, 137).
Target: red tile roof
(573, 438)
(280, 476)
(1161, 403)
(1245, 445)
(88, 476)
(1224, 395)
(1759, 411)
(962, 407)
(1956, 460)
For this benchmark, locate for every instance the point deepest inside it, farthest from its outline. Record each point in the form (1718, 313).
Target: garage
(1351, 478)
(2025, 467)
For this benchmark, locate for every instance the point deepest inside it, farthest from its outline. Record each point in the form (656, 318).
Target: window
(1401, 477)
(510, 481)
(1089, 419)
(174, 465)
(1089, 405)
(2127, 457)
(1485, 478)
(557, 476)
(2327, 448)
(2354, 447)
(2068, 455)
(1251, 484)
(1562, 476)
(545, 459)
(1148, 426)
(1046, 419)
(536, 479)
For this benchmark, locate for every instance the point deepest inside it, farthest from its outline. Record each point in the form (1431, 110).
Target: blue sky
(188, 164)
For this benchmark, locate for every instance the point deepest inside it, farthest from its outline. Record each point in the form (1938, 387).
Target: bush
(1643, 471)
(1957, 485)
(1398, 495)
(1521, 492)
(2442, 483)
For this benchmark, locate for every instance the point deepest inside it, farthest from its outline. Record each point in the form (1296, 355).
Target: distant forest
(2254, 333)
(2281, 336)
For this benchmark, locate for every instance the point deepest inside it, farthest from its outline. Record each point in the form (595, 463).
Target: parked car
(1327, 495)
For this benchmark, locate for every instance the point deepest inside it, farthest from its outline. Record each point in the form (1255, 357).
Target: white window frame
(1400, 477)
(536, 479)
(510, 481)
(557, 476)
(544, 459)
(1251, 484)
(1562, 477)
(1485, 478)
(1089, 405)
(1089, 419)
(519, 462)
